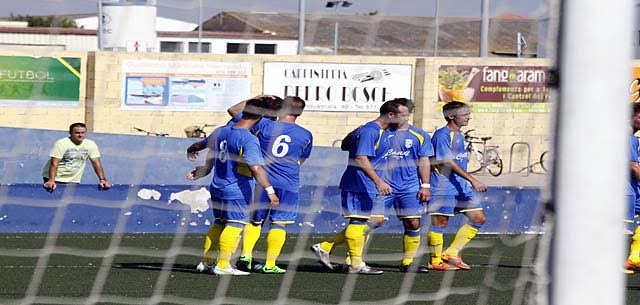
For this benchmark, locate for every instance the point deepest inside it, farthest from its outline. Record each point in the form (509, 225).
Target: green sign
(45, 81)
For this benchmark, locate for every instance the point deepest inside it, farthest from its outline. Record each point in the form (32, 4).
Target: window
(193, 47)
(234, 48)
(171, 46)
(262, 48)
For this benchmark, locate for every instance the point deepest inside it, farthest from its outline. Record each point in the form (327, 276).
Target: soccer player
(68, 159)
(633, 193)
(362, 184)
(452, 190)
(285, 146)
(211, 241)
(238, 160)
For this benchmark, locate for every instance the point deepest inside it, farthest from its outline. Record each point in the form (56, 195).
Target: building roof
(386, 35)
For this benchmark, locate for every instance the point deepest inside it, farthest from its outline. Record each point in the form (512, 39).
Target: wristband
(102, 179)
(270, 190)
(425, 186)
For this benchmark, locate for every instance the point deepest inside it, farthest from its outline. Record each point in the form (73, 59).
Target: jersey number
(222, 154)
(280, 147)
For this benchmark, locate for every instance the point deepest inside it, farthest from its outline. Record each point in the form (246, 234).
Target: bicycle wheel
(494, 162)
(544, 160)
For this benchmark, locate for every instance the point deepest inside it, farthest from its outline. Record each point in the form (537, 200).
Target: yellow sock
(463, 237)
(436, 239)
(354, 234)
(229, 240)
(275, 241)
(337, 239)
(250, 237)
(411, 244)
(211, 243)
(634, 255)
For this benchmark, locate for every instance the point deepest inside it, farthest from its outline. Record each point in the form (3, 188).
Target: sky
(187, 10)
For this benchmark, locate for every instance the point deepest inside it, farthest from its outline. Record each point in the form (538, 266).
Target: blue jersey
(407, 147)
(448, 145)
(371, 141)
(231, 122)
(634, 156)
(283, 146)
(235, 149)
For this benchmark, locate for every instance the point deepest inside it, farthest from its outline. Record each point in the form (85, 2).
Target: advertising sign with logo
(184, 85)
(40, 81)
(338, 87)
(495, 88)
(125, 22)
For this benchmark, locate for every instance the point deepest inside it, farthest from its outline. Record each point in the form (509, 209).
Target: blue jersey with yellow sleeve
(406, 149)
(448, 145)
(235, 149)
(634, 156)
(283, 146)
(371, 141)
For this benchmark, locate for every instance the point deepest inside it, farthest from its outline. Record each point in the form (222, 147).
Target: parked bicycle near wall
(196, 131)
(486, 158)
(151, 133)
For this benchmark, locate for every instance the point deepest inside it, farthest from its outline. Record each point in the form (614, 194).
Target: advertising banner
(40, 81)
(495, 88)
(184, 85)
(338, 87)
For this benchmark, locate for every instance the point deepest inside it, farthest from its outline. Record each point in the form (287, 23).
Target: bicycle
(150, 133)
(195, 131)
(487, 158)
(543, 161)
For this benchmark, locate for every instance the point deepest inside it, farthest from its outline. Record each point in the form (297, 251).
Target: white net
(140, 241)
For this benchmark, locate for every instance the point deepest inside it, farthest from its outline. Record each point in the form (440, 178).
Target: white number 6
(280, 147)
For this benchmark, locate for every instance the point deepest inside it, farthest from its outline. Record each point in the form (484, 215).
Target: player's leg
(357, 207)
(473, 210)
(283, 214)
(235, 214)
(409, 209)
(252, 230)
(323, 249)
(211, 239)
(381, 205)
(633, 260)
(440, 209)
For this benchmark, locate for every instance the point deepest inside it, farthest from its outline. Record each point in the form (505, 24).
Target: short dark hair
(391, 106)
(255, 108)
(406, 102)
(452, 107)
(74, 125)
(635, 108)
(274, 104)
(292, 105)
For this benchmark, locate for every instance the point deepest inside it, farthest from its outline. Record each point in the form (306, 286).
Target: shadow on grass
(188, 268)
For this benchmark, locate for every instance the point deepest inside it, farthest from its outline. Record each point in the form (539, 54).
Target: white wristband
(270, 190)
(425, 186)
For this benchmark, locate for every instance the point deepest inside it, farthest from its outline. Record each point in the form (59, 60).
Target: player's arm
(261, 176)
(424, 171)
(475, 183)
(635, 170)
(236, 109)
(97, 167)
(50, 184)
(192, 151)
(366, 166)
(203, 171)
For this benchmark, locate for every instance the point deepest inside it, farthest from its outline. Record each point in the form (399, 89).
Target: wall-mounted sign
(184, 85)
(338, 87)
(495, 88)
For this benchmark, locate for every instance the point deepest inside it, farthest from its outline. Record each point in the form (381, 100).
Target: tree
(45, 21)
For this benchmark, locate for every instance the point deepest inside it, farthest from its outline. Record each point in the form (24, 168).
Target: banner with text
(40, 81)
(184, 85)
(495, 88)
(338, 87)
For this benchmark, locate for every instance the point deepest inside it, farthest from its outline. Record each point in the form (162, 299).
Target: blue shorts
(359, 205)
(216, 206)
(633, 208)
(450, 205)
(283, 213)
(406, 205)
(235, 210)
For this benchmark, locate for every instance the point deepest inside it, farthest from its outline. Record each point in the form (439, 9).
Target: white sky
(187, 10)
